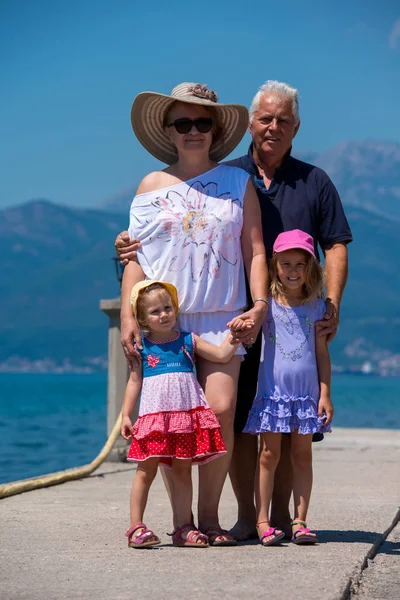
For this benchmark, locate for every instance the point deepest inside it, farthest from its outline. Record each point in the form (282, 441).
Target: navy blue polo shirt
(300, 196)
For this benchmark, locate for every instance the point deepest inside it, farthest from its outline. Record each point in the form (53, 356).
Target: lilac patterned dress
(288, 384)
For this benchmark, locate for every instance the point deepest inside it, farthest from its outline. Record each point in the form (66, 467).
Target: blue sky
(70, 70)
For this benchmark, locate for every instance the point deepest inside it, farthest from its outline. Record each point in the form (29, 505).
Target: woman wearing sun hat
(194, 219)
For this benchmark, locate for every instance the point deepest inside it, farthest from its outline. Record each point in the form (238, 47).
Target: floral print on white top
(190, 235)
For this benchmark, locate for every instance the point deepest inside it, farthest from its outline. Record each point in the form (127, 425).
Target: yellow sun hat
(142, 285)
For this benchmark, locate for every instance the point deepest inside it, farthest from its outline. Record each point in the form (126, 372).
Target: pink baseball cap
(296, 238)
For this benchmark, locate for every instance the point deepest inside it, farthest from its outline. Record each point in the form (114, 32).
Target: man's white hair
(280, 89)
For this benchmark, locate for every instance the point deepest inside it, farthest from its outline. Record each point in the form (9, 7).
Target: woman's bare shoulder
(154, 181)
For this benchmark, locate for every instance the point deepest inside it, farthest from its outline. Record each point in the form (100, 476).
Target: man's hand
(330, 322)
(126, 248)
(129, 333)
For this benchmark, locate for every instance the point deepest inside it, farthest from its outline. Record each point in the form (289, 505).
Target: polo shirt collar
(252, 168)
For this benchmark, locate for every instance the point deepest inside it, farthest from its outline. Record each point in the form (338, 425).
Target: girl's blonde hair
(141, 301)
(314, 279)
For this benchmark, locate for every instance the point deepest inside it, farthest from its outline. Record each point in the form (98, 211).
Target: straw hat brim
(148, 114)
(141, 285)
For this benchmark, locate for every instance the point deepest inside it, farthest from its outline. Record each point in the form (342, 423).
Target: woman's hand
(255, 315)
(126, 247)
(325, 406)
(126, 428)
(129, 332)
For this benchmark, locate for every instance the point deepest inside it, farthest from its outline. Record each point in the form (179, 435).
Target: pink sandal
(271, 532)
(145, 539)
(302, 535)
(194, 539)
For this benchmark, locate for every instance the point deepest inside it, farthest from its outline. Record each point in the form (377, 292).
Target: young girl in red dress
(176, 427)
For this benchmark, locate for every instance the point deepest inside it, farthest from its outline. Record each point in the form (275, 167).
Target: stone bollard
(118, 374)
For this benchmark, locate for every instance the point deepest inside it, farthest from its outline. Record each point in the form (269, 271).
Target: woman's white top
(190, 235)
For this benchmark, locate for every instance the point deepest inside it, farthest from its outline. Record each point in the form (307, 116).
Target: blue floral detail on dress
(292, 324)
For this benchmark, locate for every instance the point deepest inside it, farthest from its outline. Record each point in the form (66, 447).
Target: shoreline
(338, 372)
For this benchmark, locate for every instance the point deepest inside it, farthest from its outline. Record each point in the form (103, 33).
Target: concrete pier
(67, 542)
(118, 372)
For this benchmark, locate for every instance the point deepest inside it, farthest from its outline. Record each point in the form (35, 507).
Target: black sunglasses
(202, 124)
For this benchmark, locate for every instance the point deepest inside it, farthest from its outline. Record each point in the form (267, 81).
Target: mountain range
(367, 175)
(57, 265)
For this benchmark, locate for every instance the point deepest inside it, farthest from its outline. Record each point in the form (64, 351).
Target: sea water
(54, 422)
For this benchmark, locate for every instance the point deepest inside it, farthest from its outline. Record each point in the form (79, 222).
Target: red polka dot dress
(175, 419)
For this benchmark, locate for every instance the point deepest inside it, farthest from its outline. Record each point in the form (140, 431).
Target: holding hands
(246, 327)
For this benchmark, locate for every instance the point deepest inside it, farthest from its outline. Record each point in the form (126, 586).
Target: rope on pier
(35, 483)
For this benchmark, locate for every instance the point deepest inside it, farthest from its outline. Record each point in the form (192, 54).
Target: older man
(292, 195)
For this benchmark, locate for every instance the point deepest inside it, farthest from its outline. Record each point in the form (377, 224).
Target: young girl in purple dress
(293, 395)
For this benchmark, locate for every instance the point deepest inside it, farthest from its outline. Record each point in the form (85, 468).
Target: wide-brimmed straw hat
(142, 285)
(148, 115)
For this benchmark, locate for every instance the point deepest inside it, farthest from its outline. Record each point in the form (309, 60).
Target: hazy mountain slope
(367, 174)
(56, 263)
(57, 266)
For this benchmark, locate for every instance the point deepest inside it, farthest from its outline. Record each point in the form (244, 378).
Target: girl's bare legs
(269, 455)
(219, 382)
(182, 495)
(144, 477)
(283, 486)
(168, 480)
(169, 483)
(301, 457)
(182, 491)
